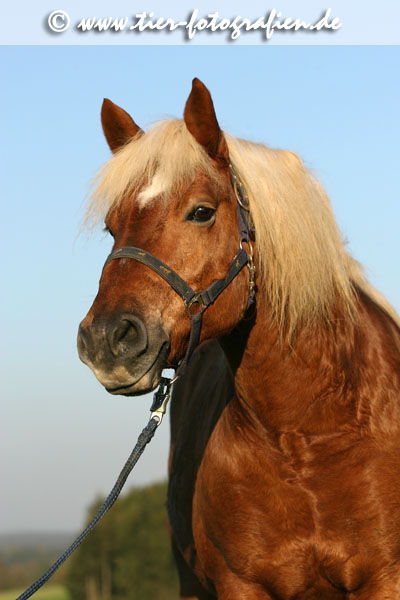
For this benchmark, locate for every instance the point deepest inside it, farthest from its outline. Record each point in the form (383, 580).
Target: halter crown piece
(204, 298)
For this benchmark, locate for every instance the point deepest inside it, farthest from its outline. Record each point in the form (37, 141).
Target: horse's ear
(118, 126)
(201, 121)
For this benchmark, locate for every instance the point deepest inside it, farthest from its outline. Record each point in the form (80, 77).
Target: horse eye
(202, 214)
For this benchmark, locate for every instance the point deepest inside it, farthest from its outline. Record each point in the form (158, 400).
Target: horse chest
(254, 521)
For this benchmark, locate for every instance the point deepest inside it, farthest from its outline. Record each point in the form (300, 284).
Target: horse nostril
(83, 343)
(128, 336)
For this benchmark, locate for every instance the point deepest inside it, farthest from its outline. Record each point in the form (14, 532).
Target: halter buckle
(252, 276)
(250, 264)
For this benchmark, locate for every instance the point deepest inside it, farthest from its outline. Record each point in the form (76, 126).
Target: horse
(285, 420)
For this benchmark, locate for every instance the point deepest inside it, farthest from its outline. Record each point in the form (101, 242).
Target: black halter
(203, 299)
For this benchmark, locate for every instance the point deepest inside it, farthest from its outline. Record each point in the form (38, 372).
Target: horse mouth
(147, 381)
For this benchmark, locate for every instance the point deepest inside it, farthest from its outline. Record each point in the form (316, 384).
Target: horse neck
(313, 383)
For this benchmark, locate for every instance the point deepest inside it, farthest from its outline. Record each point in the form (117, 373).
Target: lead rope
(157, 409)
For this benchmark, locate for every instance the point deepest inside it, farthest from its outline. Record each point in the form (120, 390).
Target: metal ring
(237, 187)
(174, 379)
(249, 245)
(197, 299)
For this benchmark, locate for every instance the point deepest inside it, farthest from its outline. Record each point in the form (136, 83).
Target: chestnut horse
(285, 453)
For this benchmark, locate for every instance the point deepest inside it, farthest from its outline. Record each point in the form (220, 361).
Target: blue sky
(336, 106)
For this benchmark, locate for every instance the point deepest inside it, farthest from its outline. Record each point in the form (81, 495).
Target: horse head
(167, 192)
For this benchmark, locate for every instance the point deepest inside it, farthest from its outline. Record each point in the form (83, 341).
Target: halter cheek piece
(203, 299)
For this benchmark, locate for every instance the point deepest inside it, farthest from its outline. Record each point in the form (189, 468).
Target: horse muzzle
(126, 356)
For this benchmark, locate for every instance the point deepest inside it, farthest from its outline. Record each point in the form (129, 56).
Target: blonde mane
(304, 266)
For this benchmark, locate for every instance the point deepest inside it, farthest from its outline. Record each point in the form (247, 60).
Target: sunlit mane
(302, 259)
(153, 165)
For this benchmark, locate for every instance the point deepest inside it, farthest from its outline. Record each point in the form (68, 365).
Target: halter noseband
(203, 299)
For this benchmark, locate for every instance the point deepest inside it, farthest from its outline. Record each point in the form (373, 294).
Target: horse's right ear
(118, 126)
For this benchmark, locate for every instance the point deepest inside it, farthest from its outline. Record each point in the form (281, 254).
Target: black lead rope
(160, 400)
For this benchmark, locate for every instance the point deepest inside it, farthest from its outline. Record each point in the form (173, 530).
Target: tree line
(127, 556)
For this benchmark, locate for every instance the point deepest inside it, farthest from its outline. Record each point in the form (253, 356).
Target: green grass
(50, 592)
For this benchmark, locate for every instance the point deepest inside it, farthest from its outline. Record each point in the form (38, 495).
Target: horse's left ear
(201, 121)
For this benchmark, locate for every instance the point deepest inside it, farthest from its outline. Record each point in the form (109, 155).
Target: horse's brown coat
(285, 451)
(297, 492)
